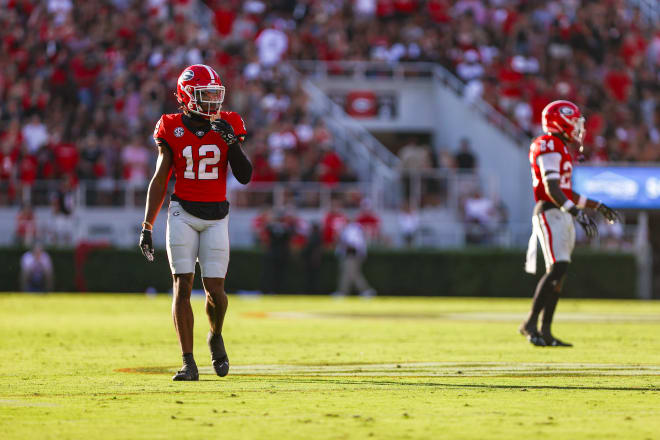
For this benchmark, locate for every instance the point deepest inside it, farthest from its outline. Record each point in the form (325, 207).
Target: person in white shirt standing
(352, 251)
(35, 134)
(36, 271)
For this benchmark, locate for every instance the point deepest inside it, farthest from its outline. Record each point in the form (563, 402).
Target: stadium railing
(365, 154)
(448, 186)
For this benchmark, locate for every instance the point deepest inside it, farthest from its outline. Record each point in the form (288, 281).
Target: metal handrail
(487, 111)
(329, 108)
(123, 194)
(361, 69)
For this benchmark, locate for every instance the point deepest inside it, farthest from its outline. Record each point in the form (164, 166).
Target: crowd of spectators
(81, 86)
(517, 55)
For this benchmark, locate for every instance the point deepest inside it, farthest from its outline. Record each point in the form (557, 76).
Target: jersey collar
(197, 126)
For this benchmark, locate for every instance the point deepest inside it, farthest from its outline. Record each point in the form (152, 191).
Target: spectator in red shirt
(8, 158)
(385, 8)
(330, 168)
(27, 168)
(85, 71)
(26, 226)
(259, 227)
(618, 82)
(542, 96)
(135, 161)
(405, 7)
(439, 10)
(369, 220)
(66, 157)
(333, 222)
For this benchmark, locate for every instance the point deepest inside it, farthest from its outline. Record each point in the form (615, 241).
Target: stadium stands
(82, 86)
(80, 95)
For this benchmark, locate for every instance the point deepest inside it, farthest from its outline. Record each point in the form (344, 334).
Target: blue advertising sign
(620, 187)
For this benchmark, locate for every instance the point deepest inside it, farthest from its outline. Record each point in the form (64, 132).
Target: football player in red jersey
(556, 207)
(197, 145)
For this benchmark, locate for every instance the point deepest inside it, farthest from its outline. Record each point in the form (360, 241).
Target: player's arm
(240, 164)
(549, 164)
(611, 215)
(155, 197)
(238, 160)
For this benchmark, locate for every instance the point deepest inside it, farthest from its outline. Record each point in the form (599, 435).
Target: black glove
(610, 214)
(587, 223)
(146, 245)
(225, 130)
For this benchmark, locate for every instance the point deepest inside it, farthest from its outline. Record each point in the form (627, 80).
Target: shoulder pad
(236, 122)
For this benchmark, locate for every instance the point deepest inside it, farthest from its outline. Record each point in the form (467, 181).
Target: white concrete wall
(121, 227)
(497, 154)
(428, 105)
(415, 109)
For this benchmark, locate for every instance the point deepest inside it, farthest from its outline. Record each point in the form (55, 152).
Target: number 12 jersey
(199, 156)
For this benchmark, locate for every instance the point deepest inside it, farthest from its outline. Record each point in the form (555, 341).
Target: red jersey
(199, 156)
(66, 157)
(333, 223)
(370, 224)
(556, 153)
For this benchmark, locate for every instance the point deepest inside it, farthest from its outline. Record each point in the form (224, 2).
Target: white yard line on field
(446, 369)
(458, 316)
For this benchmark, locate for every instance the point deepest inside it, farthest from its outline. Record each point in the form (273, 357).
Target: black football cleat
(532, 335)
(187, 373)
(219, 357)
(551, 341)
(221, 366)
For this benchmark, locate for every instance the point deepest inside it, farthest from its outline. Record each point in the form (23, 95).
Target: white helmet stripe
(211, 72)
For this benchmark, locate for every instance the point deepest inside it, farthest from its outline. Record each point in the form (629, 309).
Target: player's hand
(587, 223)
(225, 130)
(610, 214)
(146, 244)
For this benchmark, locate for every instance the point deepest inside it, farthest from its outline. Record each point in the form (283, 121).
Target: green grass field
(100, 367)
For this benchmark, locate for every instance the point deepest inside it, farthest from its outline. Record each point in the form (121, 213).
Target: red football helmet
(565, 118)
(200, 90)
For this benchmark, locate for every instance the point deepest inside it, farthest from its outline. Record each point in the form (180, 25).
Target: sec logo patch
(178, 132)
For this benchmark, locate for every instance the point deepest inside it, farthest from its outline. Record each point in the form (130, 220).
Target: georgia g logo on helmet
(564, 118)
(200, 91)
(565, 110)
(187, 75)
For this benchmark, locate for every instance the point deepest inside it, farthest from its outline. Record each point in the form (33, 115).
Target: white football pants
(556, 232)
(191, 239)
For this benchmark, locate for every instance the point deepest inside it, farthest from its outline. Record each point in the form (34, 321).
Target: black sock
(538, 303)
(189, 360)
(549, 312)
(217, 346)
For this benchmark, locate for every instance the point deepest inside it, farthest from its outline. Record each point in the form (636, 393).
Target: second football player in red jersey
(556, 207)
(197, 145)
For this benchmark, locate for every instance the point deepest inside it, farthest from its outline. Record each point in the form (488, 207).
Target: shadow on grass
(473, 385)
(395, 383)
